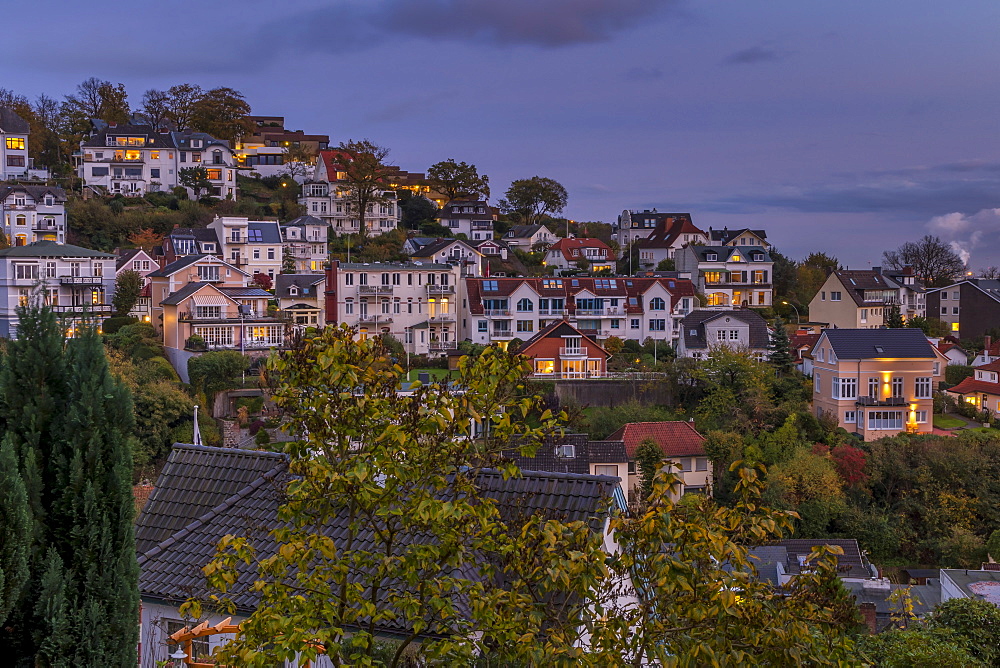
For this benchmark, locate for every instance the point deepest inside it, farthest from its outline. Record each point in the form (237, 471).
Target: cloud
(761, 53)
(967, 232)
(343, 27)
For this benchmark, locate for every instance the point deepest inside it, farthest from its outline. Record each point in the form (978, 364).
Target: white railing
(496, 312)
(573, 352)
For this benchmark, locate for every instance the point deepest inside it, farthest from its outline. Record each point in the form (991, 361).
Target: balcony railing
(250, 318)
(45, 227)
(130, 177)
(81, 280)
(82, 308)
(441, 346)
(20, 207)
(440, 289)
(502, 333)
(552, 311)
(497, 312)
(599, 312)
(573, 352)
(375, 289)
(375, 318)
(443, 317)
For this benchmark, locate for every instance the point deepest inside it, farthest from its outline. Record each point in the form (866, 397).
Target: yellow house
(877, 382)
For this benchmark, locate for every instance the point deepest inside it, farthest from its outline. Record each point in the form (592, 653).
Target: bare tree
(992, 272)
(155, 106)
(183, 98)
(365, 176)
(934, 261)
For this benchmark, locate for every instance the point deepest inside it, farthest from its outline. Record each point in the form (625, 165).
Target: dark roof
(696, 320)
(270, 233)
(725, 235)
(766, 559)
(855, 344)
(849, 564)
(669, 228)
(548, 456)
(856, 281)
(10, 122)
(207, 493)
(125, 256)
(187, 261)
(98, 139)
(302, 221)
(52, 249)
(925, 598)
(440, 244)
(197, 233)
(676, 438)
(245, 291)
(36, 193)
(194, 480)
(304, 282)
(724, 253)
(523, 231)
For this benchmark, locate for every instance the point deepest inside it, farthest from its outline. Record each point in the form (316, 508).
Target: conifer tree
(69, 420)
(15, 530)
(893, 318)
(780, 348)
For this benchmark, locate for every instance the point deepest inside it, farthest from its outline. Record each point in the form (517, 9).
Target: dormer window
(49, 201)
(711, 257)
(758, 257)
(735, 258)
(293, 291)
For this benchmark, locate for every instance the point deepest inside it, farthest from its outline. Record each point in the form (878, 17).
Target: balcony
(482, 224)
(82, 308)
(20, 207)
(573, 352)
(443, 317)
(443, 346)
(502, 333)
(118, 177)
(552, 311)
(375, 289)
(599, 312)
(81, 280)
(254, 317)
(440, 289)
(45, 227)
(888, 401)
(497, 313)
(374, 318)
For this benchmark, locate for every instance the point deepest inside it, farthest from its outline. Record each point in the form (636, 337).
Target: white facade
(729, 276)
(252, 245)
(473, 218)
(13, 151)
(330, 201)
(305, 239)
(74, 282)
(33, 213)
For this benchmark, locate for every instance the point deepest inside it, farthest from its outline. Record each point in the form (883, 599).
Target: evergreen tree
(893, 318)
(649, 459)
(69, 421)
(780, 349)
(15, 530)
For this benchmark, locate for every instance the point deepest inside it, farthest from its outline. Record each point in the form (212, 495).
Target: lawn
(436, 374)
(947, 422)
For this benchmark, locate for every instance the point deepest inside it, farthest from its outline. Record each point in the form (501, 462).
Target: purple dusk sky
(846, 127)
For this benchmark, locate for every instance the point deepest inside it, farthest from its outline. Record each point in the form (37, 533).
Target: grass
(436, 374)
(947, 422)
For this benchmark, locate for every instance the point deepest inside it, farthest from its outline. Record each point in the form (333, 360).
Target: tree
(223, 113)
(649, 460)
(263, 281)
(156, 107)
(894, 318)
(366, 177)
(181, 104)
(15, 531)
(415, 210)
(977, 621)
(71, 436)
(780, 348)
(128, 287)
(457, 180)
(811, 273)
(298, 160)
(934, 261)
(216, 371)
(533, 199)
(287, 260)
(114, 103)
(916, 648)
(145, 238)
(195, 178)
(666, 264)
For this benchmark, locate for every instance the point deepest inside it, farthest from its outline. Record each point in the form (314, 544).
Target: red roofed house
(560, 350)
(801, 343)
(955, 353)
(981, 389)
(681, 444)
(566, 253)
(670, 234)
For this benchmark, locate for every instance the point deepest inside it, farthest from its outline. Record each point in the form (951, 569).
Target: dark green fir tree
(69, 420)
(893, 318)
(780, 348)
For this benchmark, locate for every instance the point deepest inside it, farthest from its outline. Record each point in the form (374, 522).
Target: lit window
(15, 143)
(545, 366)
(954, 326)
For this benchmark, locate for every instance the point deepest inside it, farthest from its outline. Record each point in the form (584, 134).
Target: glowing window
(15, 143)
(545, 366)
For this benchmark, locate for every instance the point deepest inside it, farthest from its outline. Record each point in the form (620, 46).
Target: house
(141, 262)
(33, 213)
(473, 218)
(672, 232)
(462, 254)
(969, 308)
(14, 132)
(413, 244)
(876, 382)
(529, 237)
(240, 492)
(417, 303)
(576, 453)
(183, 241)
(76, 283)
(263, 151)
(982, 389)
(255, 246)
(305, 241)
(498, 309)
(681, 445)
(133, 160)
(492, 248)
(327, 196)
(801, 344)
(741, 329)
(573, 253)
(635, 225)
(741, 237)
(302, 298)
(863, 298)
(955, 353)
(990, 352)
(560, 350)
(727, 275)
(979, 585)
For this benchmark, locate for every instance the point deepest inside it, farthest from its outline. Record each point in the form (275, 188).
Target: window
(525, 325)
(26, 271)
(658, 325)
(615, 324)
(657, 304)
(15, 161)
(921, 416)
(923, 388)
(821, 355)
(199, 646)
(195, 156)
(545, 366)
(944, 310)
(98, 171)
(817, 383)
(255, 236)
(897, 388)
(208, 311)
(835, 296)
(256, 253)
(955, 296)
(635, 323)
(606, 469)
(873, 388)
(483, 325)
(822, 296)
(154, 173)
(845, 388)
(713, 276)
(214, 174)
(954, 310)
(525, 305)
(701, 463)
(349, 307)
(937, 368)
(270, 254)
(885, 420)
(850, 417)
(711, 257)
(490, 286)
(348, 279)
(15, 143)
(22, 297)
(208, 273)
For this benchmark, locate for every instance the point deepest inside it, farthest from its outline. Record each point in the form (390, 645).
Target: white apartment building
(473, 218)
(134, 159)
(305, 239)
(33, 213)
(729, 275)
(417, 303)
(501, 309)
(142, 263)
(330, 202)
(13, 145)
(76, 283)
(252, 245)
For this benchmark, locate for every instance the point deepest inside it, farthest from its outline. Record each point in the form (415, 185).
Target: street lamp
(178, 657)
(798, 320)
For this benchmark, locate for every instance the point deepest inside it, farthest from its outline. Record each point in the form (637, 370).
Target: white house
(729, 275)
(141, 262)
(13, 145)
(254, 246)
(473, 218)
(742, 330)
(460, 253)
(33, 213)
(76, 283)
(305, 239)
(529, 237)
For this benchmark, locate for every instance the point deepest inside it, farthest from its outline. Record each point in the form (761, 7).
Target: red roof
(973, 386)
(568, 288)
(566, 246)
(676, 439)
(668, 230)
(992, 366)
(798, 342)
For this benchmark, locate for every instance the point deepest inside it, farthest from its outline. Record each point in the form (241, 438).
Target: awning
(211, 300)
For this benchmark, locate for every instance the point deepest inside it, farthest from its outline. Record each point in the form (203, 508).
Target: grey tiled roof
(194, 480)
(10, 122)
(304, 282)
(855, 344)
(269, 231)
(37, 193)
(177, 297)
(302, 221)
(587, 452)
(696, 320)
(204, 494)
(247, 291)
(52, 249)
(199, 233)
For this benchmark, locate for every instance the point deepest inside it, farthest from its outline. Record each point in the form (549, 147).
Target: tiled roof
(548, 456)
(269, 231)
(245, 291)
(194, 480)
(11, 123)
(558, 329)
(304, 282)
(52, 249)
(302, 221)
(800, 341)
(676, 438)
(245, 497)
(439, 245)
(669, 228)
(724, 253)
(187, 261)
(523, 231)
(992, 366)
(153, 139)
(693, 327)
(198, 233)
(725, 235)
(972, 386)
(568, 288)
(175, 298)
(850, 564)
(856, 281)
(854, 344)
(566, 247)
(36, 193)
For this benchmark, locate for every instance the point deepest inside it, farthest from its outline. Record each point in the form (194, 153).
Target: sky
(847, 127)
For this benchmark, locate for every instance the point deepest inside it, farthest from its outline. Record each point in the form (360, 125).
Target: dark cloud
(755, 54)
(643, 74)
(544, 23)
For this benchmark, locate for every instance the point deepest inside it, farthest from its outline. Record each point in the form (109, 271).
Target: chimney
(877, 270)
(908, 270)
(987, 341)
(113, 124)
(868, 614)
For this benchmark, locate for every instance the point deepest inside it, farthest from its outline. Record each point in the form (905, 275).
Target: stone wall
(611, 393)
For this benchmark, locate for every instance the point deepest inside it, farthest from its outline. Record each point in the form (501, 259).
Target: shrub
(115, 323)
